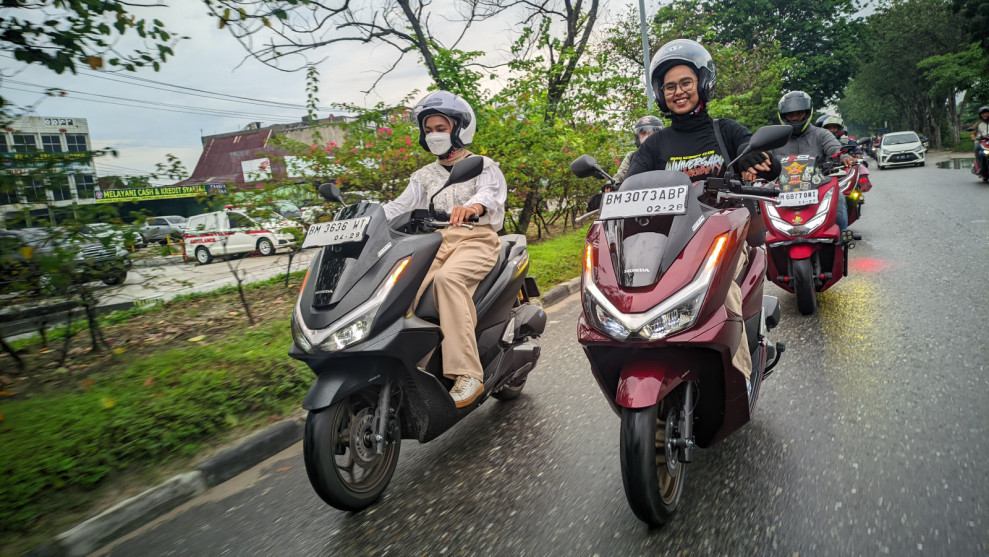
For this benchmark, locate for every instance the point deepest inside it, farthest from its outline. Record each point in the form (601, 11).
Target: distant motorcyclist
(836, 126)
(796, 109)
(644, 127)
(982, 127)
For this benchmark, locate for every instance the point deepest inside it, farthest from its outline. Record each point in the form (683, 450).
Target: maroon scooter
(657, 268)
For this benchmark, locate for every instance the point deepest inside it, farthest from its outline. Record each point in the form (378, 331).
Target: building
(249, 155)
(45, 168)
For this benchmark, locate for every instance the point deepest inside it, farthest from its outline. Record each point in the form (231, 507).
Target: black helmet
(649, 124)
(796, 101)
(683, 52)
(452, 106)
(820, 121)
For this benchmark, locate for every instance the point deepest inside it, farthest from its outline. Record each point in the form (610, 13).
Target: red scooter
(657, 268)
(853, 186)
(802, 238)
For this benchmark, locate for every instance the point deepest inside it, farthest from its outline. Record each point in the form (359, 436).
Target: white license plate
(670, 200)
(797, 198)
(336, 232)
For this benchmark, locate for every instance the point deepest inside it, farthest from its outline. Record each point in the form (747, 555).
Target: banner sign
(167, 192)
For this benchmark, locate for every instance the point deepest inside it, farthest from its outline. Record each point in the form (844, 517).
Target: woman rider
(683, 78)
(446, 126)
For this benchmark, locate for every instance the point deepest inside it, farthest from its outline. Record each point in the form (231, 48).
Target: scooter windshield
(643, 248)
(342, 265)
(800, 173)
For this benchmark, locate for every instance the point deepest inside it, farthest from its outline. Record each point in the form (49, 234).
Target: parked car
(32, 258)
(900, 149)
(925, 141)
(288, 210)
(232, 232)
(159, 229)
(120, 237)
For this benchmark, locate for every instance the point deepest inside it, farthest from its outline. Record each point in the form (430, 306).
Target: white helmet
(451, 106)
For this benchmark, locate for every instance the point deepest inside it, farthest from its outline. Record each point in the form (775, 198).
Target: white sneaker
(466, 390)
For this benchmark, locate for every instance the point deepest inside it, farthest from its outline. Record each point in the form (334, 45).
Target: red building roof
(222, 155)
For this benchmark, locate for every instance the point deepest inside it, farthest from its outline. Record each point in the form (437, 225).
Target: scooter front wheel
(339, 451)
(652, 474)
(803, 286)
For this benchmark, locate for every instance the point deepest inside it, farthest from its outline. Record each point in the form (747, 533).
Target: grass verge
(180, 376)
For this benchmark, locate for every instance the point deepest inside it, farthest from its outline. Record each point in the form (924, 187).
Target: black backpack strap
(721, 142)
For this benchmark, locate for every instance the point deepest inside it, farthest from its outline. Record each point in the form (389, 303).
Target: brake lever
(446, 224)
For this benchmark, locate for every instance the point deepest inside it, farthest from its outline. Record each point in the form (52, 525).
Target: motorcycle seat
(427, 304)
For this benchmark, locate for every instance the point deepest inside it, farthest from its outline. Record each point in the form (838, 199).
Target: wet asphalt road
(869, 440)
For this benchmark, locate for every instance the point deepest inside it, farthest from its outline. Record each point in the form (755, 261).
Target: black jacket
(690, 146)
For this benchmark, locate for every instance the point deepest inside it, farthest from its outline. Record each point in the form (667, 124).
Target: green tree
(952, 73)
(822, 36)
(890, 87)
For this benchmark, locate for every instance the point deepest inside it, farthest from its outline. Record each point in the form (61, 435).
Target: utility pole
(645, 52)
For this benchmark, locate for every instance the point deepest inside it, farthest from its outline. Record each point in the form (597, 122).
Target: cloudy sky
(146, 118)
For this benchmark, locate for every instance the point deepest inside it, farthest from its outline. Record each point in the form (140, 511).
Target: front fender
(340, 382)
(801, 251)
(643, 384)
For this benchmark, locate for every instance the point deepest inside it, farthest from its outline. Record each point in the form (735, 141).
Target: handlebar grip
(473, 218)
(752, 190)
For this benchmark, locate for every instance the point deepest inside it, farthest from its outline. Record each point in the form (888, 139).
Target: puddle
(956, 164)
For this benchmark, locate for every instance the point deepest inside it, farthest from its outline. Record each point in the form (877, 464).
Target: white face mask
(439, 143)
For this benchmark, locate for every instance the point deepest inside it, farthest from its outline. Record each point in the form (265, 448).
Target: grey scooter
(352, 325)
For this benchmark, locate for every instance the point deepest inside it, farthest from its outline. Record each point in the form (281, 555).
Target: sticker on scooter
(644, 203)
(336, 232)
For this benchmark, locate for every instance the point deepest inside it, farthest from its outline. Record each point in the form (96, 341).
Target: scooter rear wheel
(338, 447)
(651, 473)
(803, 286)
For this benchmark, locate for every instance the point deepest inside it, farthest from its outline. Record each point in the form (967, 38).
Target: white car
(900, 149)
(231, 232)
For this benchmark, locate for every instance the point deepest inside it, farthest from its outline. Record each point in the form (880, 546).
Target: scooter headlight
(817, 220)
(349, 329)
(677, 313)
(602, 320)
(677, 319)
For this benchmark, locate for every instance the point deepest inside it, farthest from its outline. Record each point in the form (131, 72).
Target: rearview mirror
(331, 192)
(584, 166)
(471, 167)
(768, 138)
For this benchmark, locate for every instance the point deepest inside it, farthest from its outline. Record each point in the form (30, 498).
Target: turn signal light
(588, 257)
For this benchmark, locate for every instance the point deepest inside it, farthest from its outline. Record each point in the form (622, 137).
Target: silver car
(158, 229)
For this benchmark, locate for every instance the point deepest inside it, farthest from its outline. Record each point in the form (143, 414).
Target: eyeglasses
(686, 85)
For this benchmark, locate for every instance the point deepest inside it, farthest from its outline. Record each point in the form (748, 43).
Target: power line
(150, 105)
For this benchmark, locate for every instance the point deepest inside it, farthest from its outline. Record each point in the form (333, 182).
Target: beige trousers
(463, 260)
(733, 303)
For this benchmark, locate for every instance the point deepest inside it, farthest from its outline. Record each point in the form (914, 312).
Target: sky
(129, 115)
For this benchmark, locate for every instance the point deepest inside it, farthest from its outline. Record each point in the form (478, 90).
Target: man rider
(683, 78)
(795, 109)
(836, 126)
(446, 126)
(644, 127)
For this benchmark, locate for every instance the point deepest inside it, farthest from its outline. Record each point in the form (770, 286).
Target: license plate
(797, 198)
(670, 200)
(336, 232)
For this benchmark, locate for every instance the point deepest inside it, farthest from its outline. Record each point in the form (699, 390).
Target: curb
(560, 291)
(141, 509)
(128, 515)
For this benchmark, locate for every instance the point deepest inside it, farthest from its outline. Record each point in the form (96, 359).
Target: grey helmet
(683, 52)
(834, 121)
(452, 106)
(649, 124)
(981, 110)
(796, 101)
